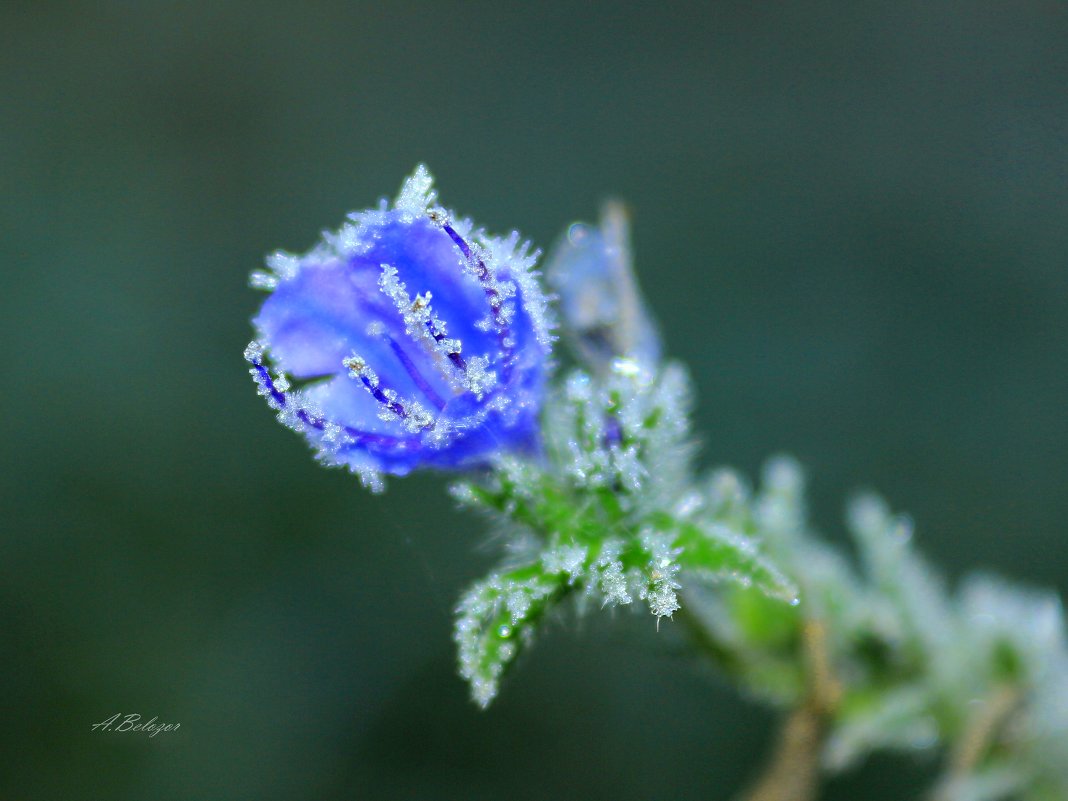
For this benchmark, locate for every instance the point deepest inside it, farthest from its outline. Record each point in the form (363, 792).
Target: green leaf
(721, 553)
(496, 618)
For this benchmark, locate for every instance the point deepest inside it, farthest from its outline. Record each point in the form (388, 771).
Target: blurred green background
(850, 218)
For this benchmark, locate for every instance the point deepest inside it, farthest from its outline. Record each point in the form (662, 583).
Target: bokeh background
(851, 219)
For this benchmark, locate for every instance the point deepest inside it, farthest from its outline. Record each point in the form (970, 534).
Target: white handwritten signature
(132, 723)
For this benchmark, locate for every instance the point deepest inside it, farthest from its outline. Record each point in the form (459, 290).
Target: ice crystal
(609, 578)
(569, 559)
(662, 570)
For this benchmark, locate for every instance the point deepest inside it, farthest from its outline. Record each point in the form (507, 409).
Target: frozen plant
(412, 339)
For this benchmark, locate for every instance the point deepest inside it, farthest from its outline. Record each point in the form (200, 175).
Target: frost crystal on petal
(417, 195)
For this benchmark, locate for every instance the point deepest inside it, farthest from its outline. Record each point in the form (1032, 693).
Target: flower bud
(416, 340)
(602, 306)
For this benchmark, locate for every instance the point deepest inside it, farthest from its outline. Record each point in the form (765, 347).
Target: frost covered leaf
(900, 575)
(911, 603)
(718, 552)
(496, 618)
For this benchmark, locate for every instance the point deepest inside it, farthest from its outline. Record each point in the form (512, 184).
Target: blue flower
(415, 339)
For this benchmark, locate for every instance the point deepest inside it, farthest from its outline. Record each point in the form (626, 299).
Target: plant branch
(793, 770)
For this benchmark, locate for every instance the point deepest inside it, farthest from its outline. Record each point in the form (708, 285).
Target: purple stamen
(483, 275)
(276, 394)
(457, 239)
(413, 413)
(394, 406)
(320, 423)
(389, 284)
